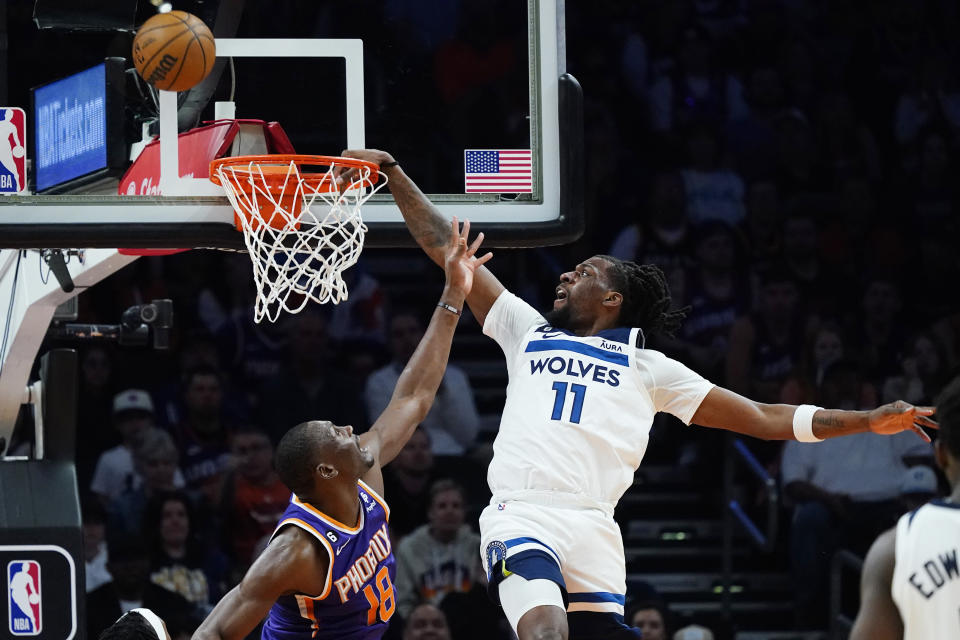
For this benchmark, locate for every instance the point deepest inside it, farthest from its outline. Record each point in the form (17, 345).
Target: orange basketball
(174, 51)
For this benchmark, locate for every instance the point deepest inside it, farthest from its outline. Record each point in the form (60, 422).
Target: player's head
(948, 440)
(619, 292)
(137, 624)
(314, 454)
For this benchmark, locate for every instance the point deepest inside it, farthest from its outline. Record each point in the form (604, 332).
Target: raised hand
(902, 416)
(461, 263)
(343, 175)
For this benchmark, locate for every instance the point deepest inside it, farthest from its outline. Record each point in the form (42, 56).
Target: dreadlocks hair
(646, 297)
(948, 415)
(294, 458)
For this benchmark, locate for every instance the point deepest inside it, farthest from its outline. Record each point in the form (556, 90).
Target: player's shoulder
(294, 543)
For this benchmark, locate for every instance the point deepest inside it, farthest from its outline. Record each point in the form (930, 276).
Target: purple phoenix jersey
(358, 597)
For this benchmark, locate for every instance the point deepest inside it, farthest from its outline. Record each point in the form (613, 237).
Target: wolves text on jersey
(576, 368)
(365, 566)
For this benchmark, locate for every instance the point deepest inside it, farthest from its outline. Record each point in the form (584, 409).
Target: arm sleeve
(674, 388)
(508, 320)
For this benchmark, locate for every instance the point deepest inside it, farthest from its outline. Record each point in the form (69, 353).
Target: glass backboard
(429, 81)
(92, 158)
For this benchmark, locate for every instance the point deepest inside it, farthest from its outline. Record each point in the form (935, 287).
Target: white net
(301, 233)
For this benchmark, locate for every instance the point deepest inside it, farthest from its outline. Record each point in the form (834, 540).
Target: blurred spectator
(452, 421)
(309, 386)
(879, 335)
(796, 164)
(254, 498)
(178, 560)
(845, 492)
(94, 410)
(763, 223)
(94, 519)
(115, 473)
(439, 557)
(131, 588)
(846, 146)
(932, 97)
(924, 372)
(693, 632)
(660, 232)
(695, 89)
(824, 346)
(202, 435)
(752, 137)
(918, 485)
(408, 478)
(198, 350)
(650, 617)
(426, 622)
(801, 253)
(155, 458)
(252, 351)
(765, 346)
(712, 191)
(361, 315)
(717, 293)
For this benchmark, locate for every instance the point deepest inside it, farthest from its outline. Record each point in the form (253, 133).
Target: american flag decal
(498, 170)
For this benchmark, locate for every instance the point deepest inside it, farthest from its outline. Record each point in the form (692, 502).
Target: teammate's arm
(417, 385)
(289, 564)
(724, 409)
(429, 228)
(878, 618)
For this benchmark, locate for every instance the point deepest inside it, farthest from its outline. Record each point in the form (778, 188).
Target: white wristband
(803, 423)
(154, 621)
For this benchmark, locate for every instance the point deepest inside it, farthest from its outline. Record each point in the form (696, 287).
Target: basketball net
(301, 231)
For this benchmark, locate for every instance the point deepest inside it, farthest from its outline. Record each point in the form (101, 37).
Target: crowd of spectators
(786, 163)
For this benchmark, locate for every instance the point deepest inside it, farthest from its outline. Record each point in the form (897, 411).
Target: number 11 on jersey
(559, 400)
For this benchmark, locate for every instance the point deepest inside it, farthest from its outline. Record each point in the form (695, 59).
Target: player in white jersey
(910, 586)
(580, 401)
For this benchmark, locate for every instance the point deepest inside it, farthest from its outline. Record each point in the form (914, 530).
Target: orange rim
(274, 169)
(286, 158)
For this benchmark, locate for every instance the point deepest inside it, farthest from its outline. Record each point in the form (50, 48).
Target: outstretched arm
(429, 228)
(417, 386)
(724, 409)
(292, 563)
(878, 618)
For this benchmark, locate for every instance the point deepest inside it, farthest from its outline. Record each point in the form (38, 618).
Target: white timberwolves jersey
(578, 409)
(926, 577)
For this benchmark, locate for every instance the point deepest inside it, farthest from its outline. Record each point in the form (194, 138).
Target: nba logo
(13, 138)
(23, 597)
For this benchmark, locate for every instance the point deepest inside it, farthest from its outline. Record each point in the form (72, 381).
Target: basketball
(17, 151)
(174, 51)
(33, 598)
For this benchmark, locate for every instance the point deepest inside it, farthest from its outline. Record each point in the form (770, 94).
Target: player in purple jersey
(328, 570)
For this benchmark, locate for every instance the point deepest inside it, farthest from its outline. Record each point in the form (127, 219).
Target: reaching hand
(901, 416)
(461, 263)
(343, 175)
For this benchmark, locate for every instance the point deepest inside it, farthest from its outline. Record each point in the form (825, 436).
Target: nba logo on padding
(24, 599)
(13, 140)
